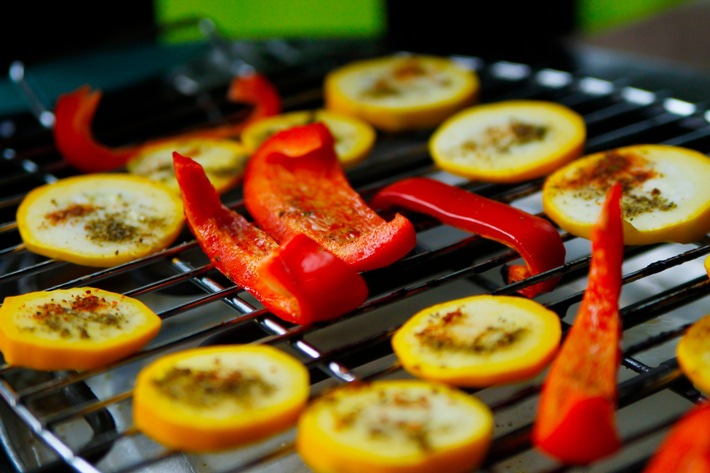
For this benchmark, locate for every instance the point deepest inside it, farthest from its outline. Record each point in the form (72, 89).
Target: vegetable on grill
(100, 220)
(534, 238)
(509, 141)
(299, 281)
(74, 113)
(401, 92)
(576, 413)
(665, 193)
(403, 426)
(693, 354)
(210, 399)
(73, 329)
(685, 448)
(479, 341)
(294, 184)
(354, 138)
(222, 159)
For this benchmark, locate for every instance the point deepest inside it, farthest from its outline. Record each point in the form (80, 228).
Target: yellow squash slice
(215, 398)
(222, 159)
(401, 92)
(510, 141)
(100, 219)
(73, 329)
(402, 426)
(693, 354)
(353, 137)
(479, 341)
(666, 197)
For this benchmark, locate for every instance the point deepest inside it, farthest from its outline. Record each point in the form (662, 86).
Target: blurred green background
(357, 18)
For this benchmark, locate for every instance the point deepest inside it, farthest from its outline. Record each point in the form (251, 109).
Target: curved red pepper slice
(686, 448)
(294, 184)
(576, 414)
(299, 281)
(74, 113)
(534, 238)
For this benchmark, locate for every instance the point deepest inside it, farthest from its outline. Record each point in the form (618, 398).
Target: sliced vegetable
(576, 413)
(509, 141)
(73, 329)
(74, 113)
(354, 138)
(665, 193)
(693, 354)
(685, 448)
(294, 184)
(100, 219)
(215, 398)
(534, 238)
(223, 160)
(401, 92)
(479, 341)
(299, 281)
(394, 426)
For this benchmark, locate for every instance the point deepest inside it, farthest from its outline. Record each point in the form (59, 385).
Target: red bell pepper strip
(294, 183)
(576, 413)
(299, 281)
(686, 448)
(74, 113)
(534, 238)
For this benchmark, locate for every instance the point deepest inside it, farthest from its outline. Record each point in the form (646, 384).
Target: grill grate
(81, 421)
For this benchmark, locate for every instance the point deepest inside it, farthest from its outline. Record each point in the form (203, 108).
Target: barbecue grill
(81, 421)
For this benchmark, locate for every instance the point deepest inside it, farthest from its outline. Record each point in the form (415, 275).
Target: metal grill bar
(199, 306)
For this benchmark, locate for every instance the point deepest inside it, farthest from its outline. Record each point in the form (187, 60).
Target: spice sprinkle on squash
(479, 341)
(100, 220)
(401, 92)
(214, 398)
(73, 329)
(665, 196)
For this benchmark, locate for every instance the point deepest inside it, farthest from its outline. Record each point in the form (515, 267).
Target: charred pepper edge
(534, 238)
(74, 112)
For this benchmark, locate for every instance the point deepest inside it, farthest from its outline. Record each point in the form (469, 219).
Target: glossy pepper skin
(74, 113)
(298, 281)
(294, 183)
(686, 448)
(534, 238)
(576, 413)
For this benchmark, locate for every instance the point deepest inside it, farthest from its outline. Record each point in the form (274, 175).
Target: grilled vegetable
(215, 398)
(223, 160)
(394, 426)
(693, 354)
(74, 113)
(510, 141)
(575, 420)
(401, 92)
(479, 341)
(299, 281)
(665, 193)
(534, 238)
(685, 448)
(73, 329)
(294, 184)
(100, 220)
(354, 138)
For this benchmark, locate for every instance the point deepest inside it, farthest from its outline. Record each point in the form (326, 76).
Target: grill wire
(80, 421)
